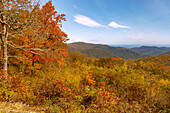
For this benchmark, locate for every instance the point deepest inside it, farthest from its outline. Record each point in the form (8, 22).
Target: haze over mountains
(139, 45)
(99, 50)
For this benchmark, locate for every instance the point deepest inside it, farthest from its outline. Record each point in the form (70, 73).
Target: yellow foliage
(164, 82)
(70, 77)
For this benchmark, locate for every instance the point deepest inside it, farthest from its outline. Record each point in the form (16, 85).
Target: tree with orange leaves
(52, 38)
(28, 31)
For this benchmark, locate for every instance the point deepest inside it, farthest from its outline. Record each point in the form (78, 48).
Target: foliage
(92, 85)
(33, 36)
(81, 84)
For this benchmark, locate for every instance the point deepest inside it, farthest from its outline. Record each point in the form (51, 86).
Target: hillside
(99, 51)
(162, 59)
(151, 50)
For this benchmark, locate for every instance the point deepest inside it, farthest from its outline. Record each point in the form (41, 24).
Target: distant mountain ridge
(151, 50)
(139, 45)
(99, 51)
(103, 51)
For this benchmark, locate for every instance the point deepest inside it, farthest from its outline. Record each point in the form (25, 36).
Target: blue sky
(116, 21)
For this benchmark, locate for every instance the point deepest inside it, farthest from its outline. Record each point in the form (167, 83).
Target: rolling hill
(151, 50)
(103, 51)
(162, 59)
(99, 51)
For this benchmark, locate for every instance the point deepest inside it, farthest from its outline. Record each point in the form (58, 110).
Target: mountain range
(99, 50)
(151, 50)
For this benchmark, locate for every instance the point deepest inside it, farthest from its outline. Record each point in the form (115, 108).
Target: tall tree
(28, 29)
(52, 37)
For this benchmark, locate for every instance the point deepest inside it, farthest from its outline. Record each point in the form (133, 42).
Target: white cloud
(81, 19)
(116, 25)
(75, 6)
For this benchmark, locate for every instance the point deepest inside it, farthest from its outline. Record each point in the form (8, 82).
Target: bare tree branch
(17, 57)
(38, 51)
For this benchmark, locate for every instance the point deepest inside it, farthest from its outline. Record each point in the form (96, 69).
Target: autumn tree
(77, 57)
(29, 31)
(52, 37)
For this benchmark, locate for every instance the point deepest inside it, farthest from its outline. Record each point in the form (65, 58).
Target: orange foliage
(46, 35)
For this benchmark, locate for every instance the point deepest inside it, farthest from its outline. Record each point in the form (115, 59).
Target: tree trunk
(1, 25)
(32, 71)
(4, 40)
(5, 56)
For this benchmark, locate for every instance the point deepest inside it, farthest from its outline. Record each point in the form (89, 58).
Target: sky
(116, 22)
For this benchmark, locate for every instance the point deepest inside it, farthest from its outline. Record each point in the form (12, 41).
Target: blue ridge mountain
(103, 51)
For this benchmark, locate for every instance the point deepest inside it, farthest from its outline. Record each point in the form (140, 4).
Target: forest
(38, 74)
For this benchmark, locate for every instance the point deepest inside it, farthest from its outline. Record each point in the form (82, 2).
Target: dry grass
(6, 107)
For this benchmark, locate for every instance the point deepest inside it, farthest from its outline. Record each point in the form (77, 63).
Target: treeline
(84, 84)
